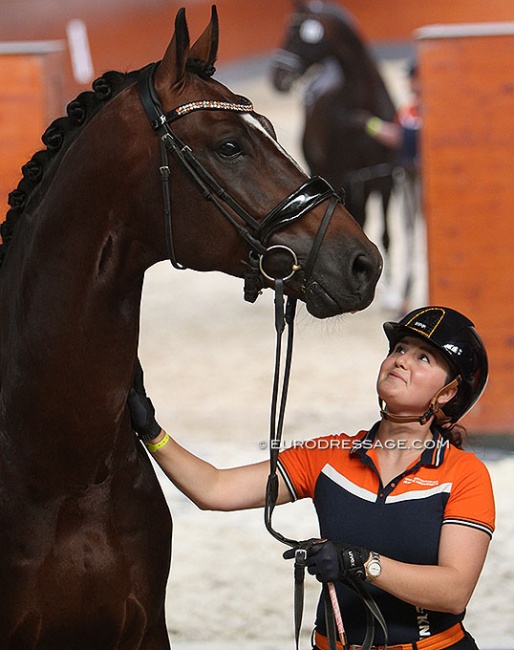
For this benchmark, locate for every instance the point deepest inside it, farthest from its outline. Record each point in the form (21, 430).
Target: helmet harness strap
(433, 410)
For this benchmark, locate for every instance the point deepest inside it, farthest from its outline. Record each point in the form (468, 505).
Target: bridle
(255, 232)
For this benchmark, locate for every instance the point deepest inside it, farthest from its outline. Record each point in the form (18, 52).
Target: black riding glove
(142, 411)
(332, 561)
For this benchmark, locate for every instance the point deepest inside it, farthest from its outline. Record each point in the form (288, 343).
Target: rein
(255, 232)
(335, 628)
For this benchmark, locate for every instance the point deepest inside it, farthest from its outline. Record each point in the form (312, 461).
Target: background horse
(322, 38)
(84, 528)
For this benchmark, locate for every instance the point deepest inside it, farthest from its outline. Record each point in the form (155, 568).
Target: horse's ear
(206, 47)
(172, 68)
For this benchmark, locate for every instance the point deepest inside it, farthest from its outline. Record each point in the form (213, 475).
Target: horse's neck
(70, 299)
(363, 78)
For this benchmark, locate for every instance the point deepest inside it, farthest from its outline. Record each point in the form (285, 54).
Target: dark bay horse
(162, 162)
(322, 38)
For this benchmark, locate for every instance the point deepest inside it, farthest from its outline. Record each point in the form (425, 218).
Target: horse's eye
(229, 149)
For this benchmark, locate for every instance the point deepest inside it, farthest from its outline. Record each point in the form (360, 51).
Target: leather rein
(333, 619)
(256, 233)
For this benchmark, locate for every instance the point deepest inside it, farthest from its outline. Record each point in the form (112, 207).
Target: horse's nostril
(365, 268)
(361, 265)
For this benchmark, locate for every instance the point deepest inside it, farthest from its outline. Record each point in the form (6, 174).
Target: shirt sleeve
(471, 501)
(300, 466)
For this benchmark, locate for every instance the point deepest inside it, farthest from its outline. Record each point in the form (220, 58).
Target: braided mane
(61, 133)
(57, 138)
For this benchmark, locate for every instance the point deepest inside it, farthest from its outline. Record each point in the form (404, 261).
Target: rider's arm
(446, 587)
(207, 486)
(210, 488)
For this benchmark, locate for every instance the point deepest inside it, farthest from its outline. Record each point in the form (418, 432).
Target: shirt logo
(409, 480)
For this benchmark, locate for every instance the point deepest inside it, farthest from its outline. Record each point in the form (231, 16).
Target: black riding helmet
(455, 337)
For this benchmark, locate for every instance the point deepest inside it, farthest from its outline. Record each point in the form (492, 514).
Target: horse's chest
(70, 572)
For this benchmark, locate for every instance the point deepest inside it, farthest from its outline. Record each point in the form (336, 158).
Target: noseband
(255, 232)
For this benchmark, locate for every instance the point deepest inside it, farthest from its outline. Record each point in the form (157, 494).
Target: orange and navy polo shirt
(401, 520)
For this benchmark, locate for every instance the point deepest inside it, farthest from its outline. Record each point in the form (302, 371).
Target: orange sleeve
(301, 465)
(471, 501)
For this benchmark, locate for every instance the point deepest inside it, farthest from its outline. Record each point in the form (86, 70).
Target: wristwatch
(373, 567)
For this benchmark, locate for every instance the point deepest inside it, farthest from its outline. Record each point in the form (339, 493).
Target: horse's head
(316, 30)
(304, 45)
(238, 203)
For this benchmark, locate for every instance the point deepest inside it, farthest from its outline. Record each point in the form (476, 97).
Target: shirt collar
(432, 456)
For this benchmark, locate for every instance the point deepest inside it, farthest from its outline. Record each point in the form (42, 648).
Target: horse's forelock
(203, 69)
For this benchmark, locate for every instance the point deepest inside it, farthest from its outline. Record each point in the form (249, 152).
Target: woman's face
(411, 375)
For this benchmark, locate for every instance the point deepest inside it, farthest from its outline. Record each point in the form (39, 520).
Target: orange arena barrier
(467, 78)
(31, 97)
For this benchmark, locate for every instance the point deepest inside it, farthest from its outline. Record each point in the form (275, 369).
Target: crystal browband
(209, 105)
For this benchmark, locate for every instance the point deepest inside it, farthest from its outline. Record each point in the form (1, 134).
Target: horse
(345, 84)
(159, 163)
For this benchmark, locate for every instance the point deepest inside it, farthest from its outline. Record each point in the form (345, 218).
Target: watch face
(374, 569)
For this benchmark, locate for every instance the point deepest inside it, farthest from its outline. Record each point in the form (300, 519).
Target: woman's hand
(142, 411)
(332, 561)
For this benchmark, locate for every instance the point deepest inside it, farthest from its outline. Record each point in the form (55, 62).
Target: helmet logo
(453, 349)
(420, 325)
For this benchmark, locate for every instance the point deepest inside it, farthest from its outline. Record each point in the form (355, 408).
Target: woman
(401, 506)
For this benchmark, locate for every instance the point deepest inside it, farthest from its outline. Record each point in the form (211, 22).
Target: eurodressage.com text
(324, 443)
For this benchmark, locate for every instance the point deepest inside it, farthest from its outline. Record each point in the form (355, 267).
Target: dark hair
(455, 433)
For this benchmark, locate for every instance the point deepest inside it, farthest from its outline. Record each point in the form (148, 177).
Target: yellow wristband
(152, 448)
(374, 125)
